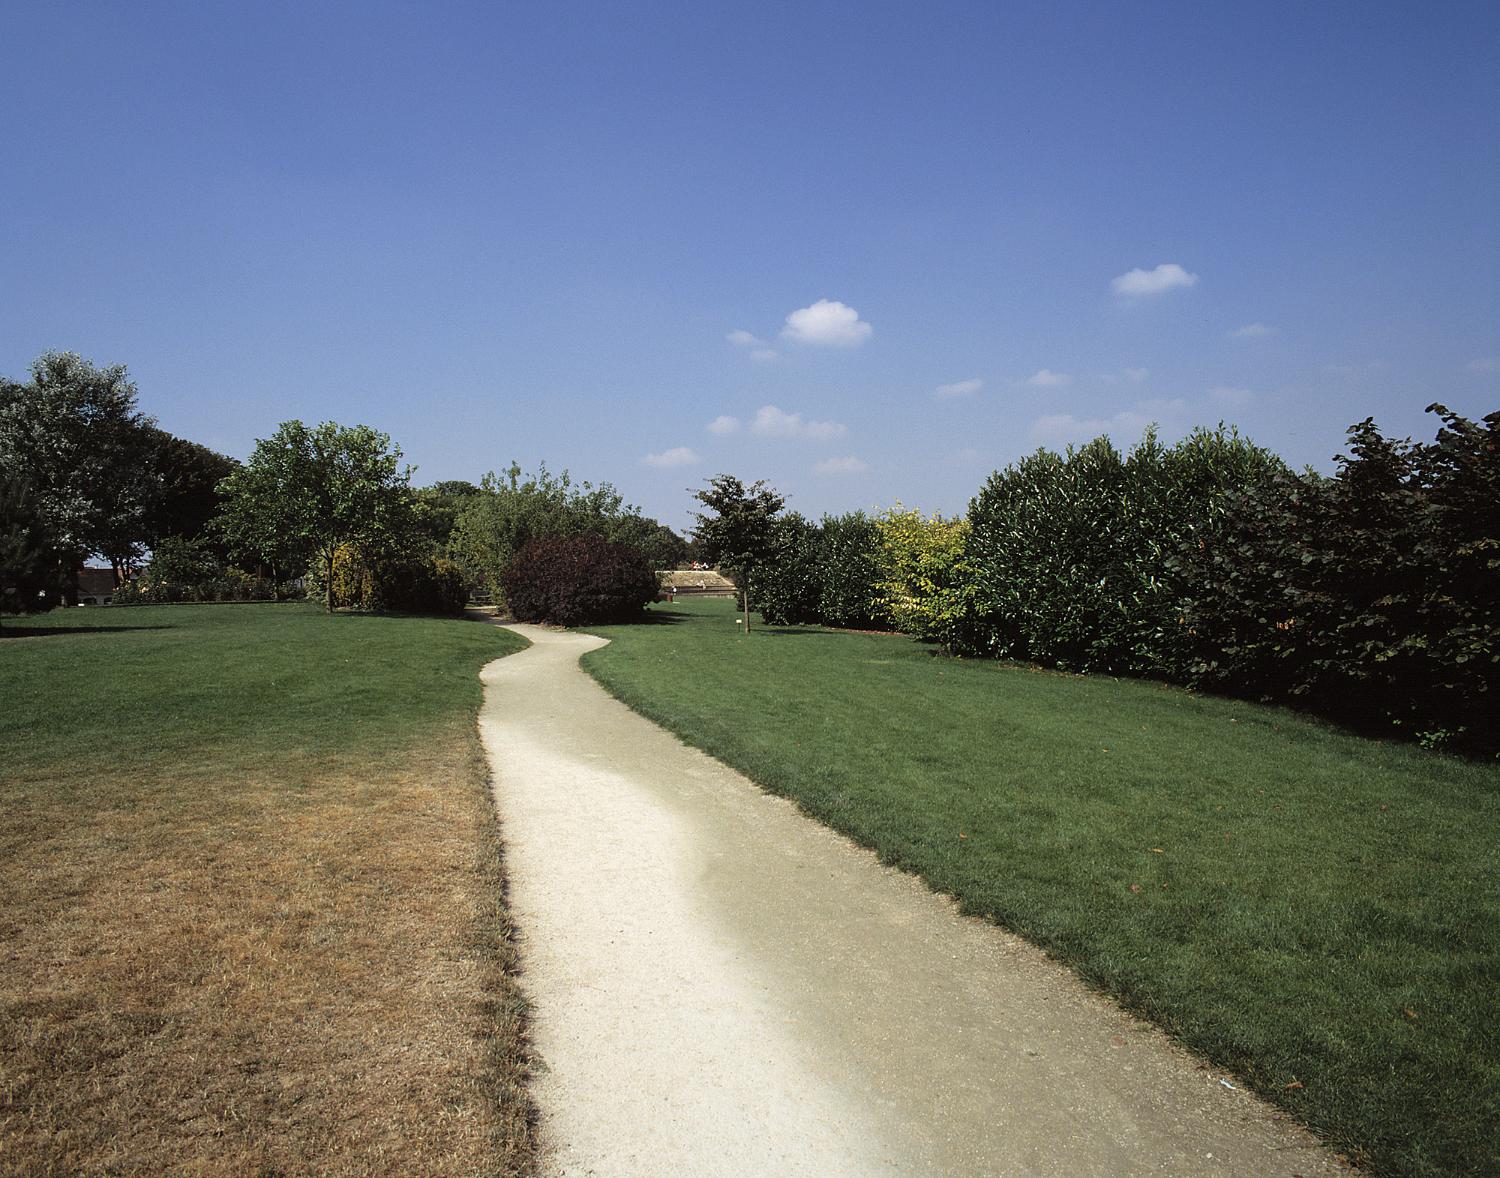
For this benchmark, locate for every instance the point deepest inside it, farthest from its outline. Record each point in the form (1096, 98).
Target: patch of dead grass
(302, 969)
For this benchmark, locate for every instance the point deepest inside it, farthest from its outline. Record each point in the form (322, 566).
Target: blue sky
(583, 233)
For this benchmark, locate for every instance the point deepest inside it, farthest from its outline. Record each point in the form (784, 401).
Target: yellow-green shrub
(926, 583)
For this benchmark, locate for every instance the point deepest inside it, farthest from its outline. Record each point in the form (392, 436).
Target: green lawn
(1316, 912)
(253, 914)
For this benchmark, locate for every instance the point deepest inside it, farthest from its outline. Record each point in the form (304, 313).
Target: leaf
(1135, 887)
(1157, 851)
(1294, 1084)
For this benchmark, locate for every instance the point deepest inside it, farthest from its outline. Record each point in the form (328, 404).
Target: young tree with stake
(740, 532)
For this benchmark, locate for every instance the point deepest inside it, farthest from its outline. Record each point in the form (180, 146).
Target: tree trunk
(328, 581)
(745, 595)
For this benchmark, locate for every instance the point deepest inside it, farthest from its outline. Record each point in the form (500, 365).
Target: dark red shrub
(578, 580)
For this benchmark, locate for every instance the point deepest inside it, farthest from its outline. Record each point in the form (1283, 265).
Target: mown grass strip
(253, 917)
(1316, 912)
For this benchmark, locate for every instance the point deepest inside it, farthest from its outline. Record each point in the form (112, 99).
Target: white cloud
(1231, 397)
(1485, 364)
(850, 465)
(827, 323)
(724, 424)
(676, 456)
(959, 388)
(1140, 283)
(1136, 375)
(748, 341)
(1045, 378)
(1251, 331)
(771, 422)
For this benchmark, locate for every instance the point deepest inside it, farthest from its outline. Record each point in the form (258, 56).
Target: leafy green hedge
(1071, 555)
(827, 573)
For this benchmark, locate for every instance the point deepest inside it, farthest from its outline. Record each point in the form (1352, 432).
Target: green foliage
(226, 584)
(926, 584)
(186, 496)
(190, 569)
(824, 572)
(738, 529)
(31, 573)
(578, 580)
(786, 581)
(511, 510)
(399, 582)
(849, 572)
(74, 436)
(660, 545)
(304, 492)
(1071, 553)
(437, 510)
(1372, 596)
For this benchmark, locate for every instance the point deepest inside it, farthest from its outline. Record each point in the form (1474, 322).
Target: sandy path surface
(722, 986)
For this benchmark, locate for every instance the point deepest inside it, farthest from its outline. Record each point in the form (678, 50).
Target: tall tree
(306, 491)
(187, 486)
(739, 530)
(73, 434)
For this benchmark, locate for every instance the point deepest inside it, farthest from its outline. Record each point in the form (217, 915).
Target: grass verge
(1317, 912)
(254, 918)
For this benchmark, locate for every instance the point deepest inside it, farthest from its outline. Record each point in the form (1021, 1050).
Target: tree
(438, 509)
(304, 492)
(30, 571)
(740, 532)
(74, 436)
(187, 486)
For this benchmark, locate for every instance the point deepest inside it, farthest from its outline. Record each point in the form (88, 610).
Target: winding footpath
(722, 986)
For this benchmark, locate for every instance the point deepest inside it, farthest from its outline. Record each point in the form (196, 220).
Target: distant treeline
(327, 511)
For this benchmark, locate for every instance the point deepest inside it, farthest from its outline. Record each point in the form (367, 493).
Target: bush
(1072, 553)
(822, 573)
(848, 571)
(578, 580)
(400, 583)
(785, 587)
(227, 585)
(1372, 597)
(926, 584)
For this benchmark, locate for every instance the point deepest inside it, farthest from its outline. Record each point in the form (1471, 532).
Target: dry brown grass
(305, 969)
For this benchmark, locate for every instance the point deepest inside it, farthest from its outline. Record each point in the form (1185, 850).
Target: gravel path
(722, 986)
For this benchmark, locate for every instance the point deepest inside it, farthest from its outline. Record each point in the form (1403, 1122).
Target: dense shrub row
(578, 580)
(1371, 596)
(825, 573)
(1071, 555)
